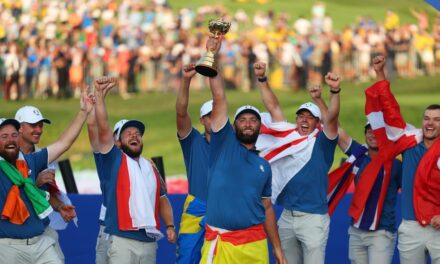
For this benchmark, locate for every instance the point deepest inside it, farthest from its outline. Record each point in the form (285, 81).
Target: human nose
(38, 129)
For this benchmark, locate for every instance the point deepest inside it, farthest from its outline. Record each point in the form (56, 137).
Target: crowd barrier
(78, 243)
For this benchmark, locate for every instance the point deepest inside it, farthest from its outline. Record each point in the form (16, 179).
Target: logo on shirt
(262, 168)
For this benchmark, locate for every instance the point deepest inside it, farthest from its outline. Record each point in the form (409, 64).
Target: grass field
(157, 111)
(343, 12)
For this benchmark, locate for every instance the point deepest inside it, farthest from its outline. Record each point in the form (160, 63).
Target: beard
(131, 152)
(9, 156)
(430, 137)
(247, 139)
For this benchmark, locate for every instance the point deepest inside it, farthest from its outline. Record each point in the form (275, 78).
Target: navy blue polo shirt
(238, 179)
(387, 219)
(195, 149)
(33, 226)
(110, 164)
(307, 190)
(410, 162)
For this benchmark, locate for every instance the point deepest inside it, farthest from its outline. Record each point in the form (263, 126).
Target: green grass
(343, 12)
(157, 111)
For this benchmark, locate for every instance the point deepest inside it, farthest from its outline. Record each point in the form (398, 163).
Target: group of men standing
(300, 155)
(236, 171)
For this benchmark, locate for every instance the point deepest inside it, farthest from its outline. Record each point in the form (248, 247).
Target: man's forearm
(270, 101)
(271, 228)
(333, 110)
(219, 114)
(166, 211)
(322, 107)
(104, 131)
(183, 97)
(67, 137)
(380, 75)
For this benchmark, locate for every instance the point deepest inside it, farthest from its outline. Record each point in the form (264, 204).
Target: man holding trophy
(239, 216)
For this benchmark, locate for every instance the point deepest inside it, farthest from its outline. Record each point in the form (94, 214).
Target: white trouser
(53, 234)
(35, 250)
(371, 247)
(102, 245)
(303, 236)
(415, 242)
(124, 250)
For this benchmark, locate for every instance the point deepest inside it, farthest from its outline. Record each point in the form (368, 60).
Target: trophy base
(206, 70)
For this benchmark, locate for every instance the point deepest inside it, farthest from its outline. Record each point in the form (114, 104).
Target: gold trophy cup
(207, 65)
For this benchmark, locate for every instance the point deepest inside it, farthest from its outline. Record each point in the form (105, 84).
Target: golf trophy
(207, 66)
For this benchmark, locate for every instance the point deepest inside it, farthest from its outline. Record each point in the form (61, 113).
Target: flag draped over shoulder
(340, 179)
(15, 209)
(427, 186)
(285, 149)
(393, 136)
(137, 196)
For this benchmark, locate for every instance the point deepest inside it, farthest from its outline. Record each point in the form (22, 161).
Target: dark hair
(433, 107)
(368, 126)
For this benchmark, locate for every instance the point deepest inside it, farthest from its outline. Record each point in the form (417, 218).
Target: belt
(296, 213)
(20, 241)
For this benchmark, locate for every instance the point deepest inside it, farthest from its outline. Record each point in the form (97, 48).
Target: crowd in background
(55, 48)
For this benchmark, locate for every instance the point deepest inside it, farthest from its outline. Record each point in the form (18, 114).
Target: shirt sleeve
(37, 162)
(186, 143)
(98, 162)
(110, 161)
(218, 140)
(328, 146)
(353, 146)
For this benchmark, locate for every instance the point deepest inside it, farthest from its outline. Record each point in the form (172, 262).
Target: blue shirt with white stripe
(307, 190)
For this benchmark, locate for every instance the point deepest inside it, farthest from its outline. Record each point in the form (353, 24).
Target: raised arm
(219, 115)
(70, 134)
(92, 129)
(270, 100)
(378, 66)
(315, 92)
(344, 140)
(105, 135)
(183, 119)
(330, 121)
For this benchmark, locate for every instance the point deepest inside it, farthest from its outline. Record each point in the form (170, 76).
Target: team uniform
(376, 245)
(195, 149)
(420, 176)
(304, 222)
(129, 244)
(102, 241)
(56, 220)
(415, 240)
(26, 242)
(238, 179)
